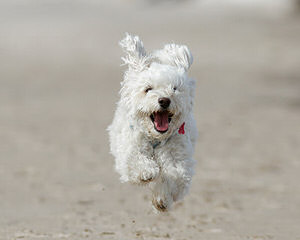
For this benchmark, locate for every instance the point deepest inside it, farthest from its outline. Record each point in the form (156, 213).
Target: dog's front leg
(142, 167)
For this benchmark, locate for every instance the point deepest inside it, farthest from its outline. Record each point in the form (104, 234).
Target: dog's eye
(148, 89)
(174, 89)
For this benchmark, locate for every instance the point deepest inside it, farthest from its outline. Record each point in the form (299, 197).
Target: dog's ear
(175, 55)
(136, 57)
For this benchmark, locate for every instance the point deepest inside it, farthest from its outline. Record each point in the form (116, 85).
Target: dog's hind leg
(172, 184)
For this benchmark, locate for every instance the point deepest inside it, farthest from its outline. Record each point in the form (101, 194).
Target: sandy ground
(59, 81)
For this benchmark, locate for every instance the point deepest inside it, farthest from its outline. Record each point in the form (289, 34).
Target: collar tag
(181, 129)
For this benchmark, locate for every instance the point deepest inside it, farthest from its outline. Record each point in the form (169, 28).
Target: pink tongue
(161, 121)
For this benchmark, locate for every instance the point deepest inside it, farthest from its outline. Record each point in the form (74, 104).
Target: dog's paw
(146, 177)
(148, 174)
(161, 204)
(144, 173)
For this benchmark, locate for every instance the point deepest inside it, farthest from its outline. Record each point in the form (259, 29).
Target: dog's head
(156, 91)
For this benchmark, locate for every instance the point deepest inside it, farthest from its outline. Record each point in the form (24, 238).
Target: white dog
(153, 132)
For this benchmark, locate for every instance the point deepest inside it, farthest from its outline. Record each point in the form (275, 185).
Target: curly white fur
(144, 155)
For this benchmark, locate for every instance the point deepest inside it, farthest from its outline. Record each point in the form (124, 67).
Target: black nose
(164, 102)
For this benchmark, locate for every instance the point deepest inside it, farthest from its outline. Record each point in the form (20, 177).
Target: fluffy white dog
(153, 132)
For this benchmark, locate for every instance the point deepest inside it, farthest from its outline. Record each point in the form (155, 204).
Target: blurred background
(59, 80)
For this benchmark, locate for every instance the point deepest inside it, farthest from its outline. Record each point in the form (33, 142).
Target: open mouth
(161, 120)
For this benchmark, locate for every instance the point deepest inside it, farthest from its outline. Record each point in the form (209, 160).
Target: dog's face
(156, 91)
(159, 98)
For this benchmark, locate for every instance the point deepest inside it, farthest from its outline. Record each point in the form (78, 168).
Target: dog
(153, 132)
